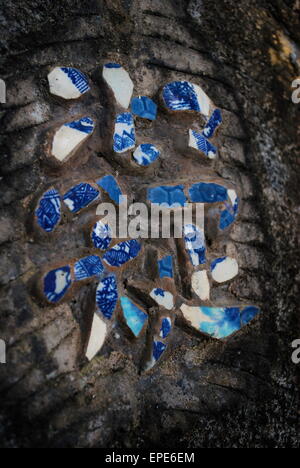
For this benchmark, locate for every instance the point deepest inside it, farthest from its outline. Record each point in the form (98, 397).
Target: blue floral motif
(56, 284)
(101, 236)
(78, 79)
(208, 193)
(165, 266)
(181, 96)
(214, 122)
(80, 197)
(195, 244)
(107, 296)
(49, 211)
(124, 137)
(85, 125)
(167, 196)
(158, 349)
(146, 154)
(109, 185)
(144, 107)
(134, 316)
(88, 267)
(204, 145)
(166, 328)
(122, 253)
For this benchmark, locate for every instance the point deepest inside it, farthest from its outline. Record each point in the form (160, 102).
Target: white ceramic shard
(224, 269)
(193, 315)
(70, 136)
(163, 298)
(97, 337)
(67, 83)
(119, 81)
(233, 196)
(201, 286)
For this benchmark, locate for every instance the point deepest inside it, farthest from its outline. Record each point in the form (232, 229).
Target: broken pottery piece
(80, 196)
(68, 83)
(101, 235)
(214, 122)
(185, 96)
(124, 136)
(70, 137)
(200, 143)
(107, 296)
(163, 298)
(224, 269)
(144, 107)
(208, 193)
(88, 267)
(48, 213)
(195, 244)
(134, 316)
(122, 253)
(56, 283)
(201, 286)
(167, 196)
(165, 267)
(110, 186)
(166, 327)
(146, 154)
(119, 81)
(97, 337)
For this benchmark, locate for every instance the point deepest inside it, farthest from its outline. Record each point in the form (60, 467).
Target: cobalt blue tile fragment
(124, 136)
(122, 253)
(110, 186)
(134, 316)
(166, 328)
(167, 196)
(214, 122)
(48, 213)
(85, 125)
(200, 143)
(226, 219)
(88, 267)
(144, 107)
(165, 267)
(80, 197)
(57, 283)
(158, 349)
(107, 296)
(208, 193)
(101, 235)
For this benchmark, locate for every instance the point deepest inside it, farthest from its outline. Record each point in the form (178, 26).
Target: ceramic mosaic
(88, 267)
(163, 298)
(119, 81)
(213, 124)
(230, 212)
(219, 322)
(167, 196)
(185, 96)
(166, 327)
(101, 235)
(158, 350)
(97, 337)
(80, 196)
(70, 137)
(146, 154)
(200, 143)
(201, 285)
(165, 267)
(144, 107)
(48, 213)
(122, 253)
(124, 136)
(107, 296)
(134, 316)
(110, 186)
(57, 283)
(208, 193)
(195, 244)
(224, 269)
(68, 83)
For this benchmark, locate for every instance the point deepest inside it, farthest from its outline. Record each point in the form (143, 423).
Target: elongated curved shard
(122, 253)
(119, 81)
(135, 317)
(97, 337)
(107, 296)
(70, 137)
(48, 213)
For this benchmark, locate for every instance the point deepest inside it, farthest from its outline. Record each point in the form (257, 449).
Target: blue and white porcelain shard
(185, 96)
(163, 298)
(107, 296)
(88, 267)
(68, 83)
(122, 253)
(165, 267)
(195, 244)
(56, 283)
(230, 213)
(146, 154)
(169, 197)
(80, 197)
(144, 107)
(214, 122)
(48, 213)
(219, 322)
(208, 193)
(97, 337)
(110, 186)
(134, 316)
(200, 143)
(201, 285)
(119, 81)
(70, 137)
(124, 136)
(166, 327)
(224, 269)
(101, 235)
(158, 350)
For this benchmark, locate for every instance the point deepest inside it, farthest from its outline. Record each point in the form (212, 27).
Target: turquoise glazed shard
(167, 196)
(88, 267)
(208, 193)
(57, 283)
(48, 213)
(134, 316)
(107, 296)
(144, 107)
(110, 186)
(165, 267)
(185, 96)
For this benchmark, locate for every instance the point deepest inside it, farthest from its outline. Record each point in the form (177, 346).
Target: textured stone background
(243, 393)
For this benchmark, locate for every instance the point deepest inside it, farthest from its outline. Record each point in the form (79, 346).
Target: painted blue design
(134, 316)
(144, 107)
(122, 253)
(146, 154)
(248, 314)
(208, 193)
(80, 197)
(221, 322)
(166, 328)
(181, 96)
(56, 284)
(124, 137)
(165, 267)
(88, 267)
(101, 236)
(107, 296)
(78, 79)
(195, 244)
(158, 349)
(112, 65)
(167, 196)
(204, 145)
(226, 220)
(109, 185)
(159, 292)
(49, 211)
(85, 125)
(214, 122)
(216, 262)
